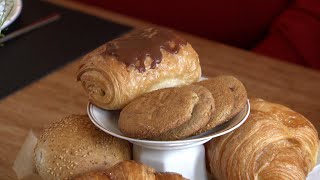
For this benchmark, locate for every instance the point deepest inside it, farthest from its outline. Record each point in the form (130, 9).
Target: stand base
(189, 162)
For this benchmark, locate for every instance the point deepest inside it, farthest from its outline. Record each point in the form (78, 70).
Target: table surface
(58, 94)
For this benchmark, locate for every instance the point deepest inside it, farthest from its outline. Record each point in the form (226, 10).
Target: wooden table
(58, 94)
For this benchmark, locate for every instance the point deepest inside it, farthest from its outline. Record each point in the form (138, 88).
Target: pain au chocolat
(140, 62)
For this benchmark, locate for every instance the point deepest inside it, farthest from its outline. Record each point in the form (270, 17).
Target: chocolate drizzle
(134, 49)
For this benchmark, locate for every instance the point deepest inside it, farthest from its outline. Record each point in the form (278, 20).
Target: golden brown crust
(169, 176)
(167, 114)
(238, 91)
(129, 170)
(274, 143)
(200, 115)
(230, 98)
(224, 102)
(74, 145)
(111, 84)
(93, 175)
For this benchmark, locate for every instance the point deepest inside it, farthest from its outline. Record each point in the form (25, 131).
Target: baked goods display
(274, 143)
(167, 114)
(129, 170)
(152, 77)
(74, 145)
(143, 61)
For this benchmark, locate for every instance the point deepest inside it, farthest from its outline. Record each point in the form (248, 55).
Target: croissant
(274, 143)
(129, 170)
(143, 61)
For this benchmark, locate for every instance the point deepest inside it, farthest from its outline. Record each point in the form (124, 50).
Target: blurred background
(284, 29)
(287, 30)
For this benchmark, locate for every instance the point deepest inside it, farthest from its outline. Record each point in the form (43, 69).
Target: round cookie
(238, 90)
(74, 145)
(167, 114)
(224, 102)
(201, 115)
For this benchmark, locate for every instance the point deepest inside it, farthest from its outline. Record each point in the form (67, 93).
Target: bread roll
(129, 170)
(143, 61)
(274, 143)
(74, 145)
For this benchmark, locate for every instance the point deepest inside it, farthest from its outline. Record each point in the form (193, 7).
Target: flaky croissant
(274, 143)
(126, 170)
(143, 61)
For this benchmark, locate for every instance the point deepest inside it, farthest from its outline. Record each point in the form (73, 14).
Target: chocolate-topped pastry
(134, 48)
(140, 62)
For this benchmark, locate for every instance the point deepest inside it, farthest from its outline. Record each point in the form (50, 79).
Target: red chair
(284, 29)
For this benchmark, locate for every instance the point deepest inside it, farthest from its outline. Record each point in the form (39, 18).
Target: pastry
(167, 114)
(122, 171)
(128, 170)
(169, 176)
(143, 61)
(230, 97)
(274, 143)
(74, 145)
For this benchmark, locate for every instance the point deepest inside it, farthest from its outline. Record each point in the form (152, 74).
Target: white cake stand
(186, 156)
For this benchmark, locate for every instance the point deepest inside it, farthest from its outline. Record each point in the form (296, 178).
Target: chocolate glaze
(134, 49)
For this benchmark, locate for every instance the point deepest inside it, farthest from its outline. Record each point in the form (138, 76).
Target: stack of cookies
(180, 112)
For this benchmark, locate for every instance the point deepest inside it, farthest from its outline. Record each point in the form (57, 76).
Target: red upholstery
(295, 35)
(236, 22)
(284, 29)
